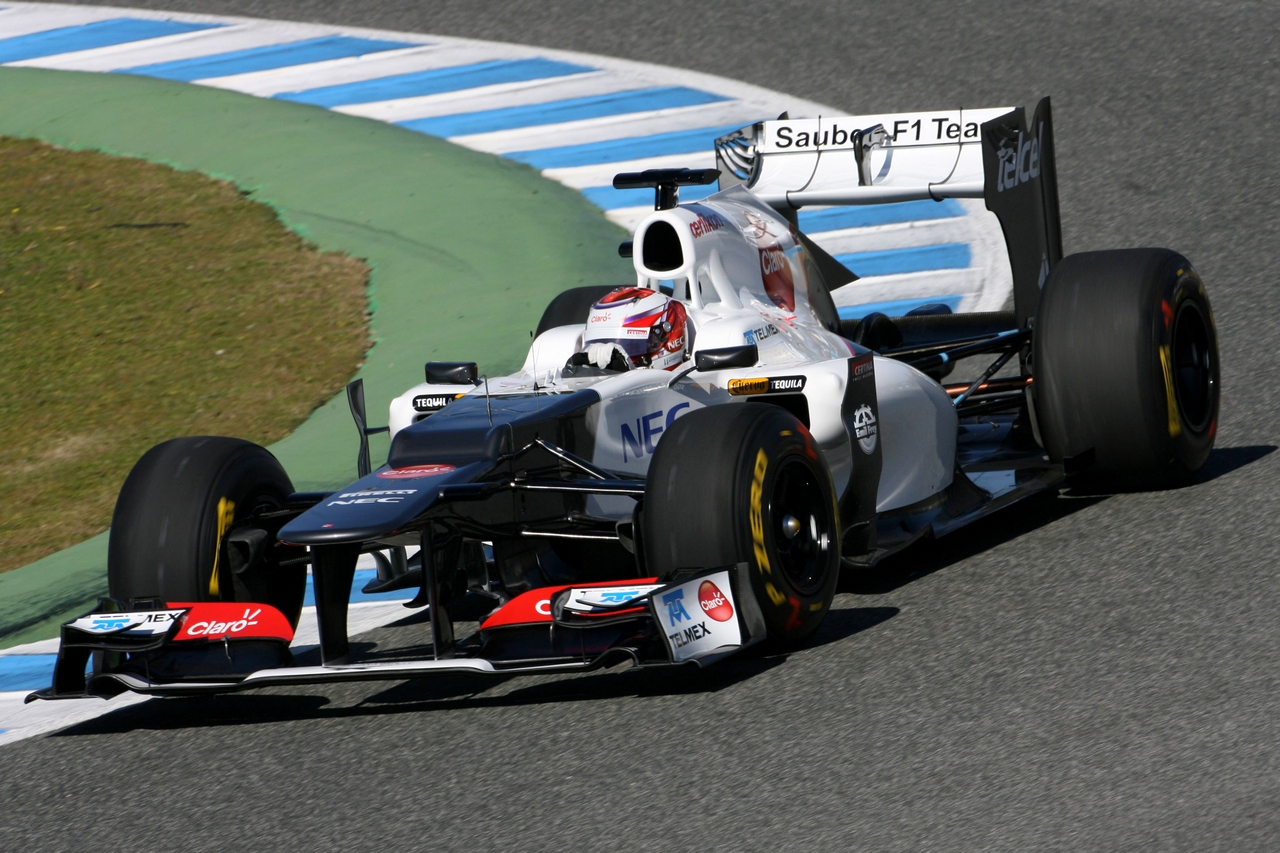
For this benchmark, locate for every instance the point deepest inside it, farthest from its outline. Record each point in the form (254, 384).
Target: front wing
(698, 617)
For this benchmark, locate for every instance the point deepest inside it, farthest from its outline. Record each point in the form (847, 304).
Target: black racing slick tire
(176, 505)
(1126, 368)
(746, 483)
(571, 307)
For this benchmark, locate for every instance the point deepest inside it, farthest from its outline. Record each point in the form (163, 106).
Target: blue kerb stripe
(26, 672)
(452, 79)
(571, 109)
(630, 148)
(941, 256)
(861, 216)
(897, 307)
(88, 36)
(607, 198)
(362, 577)
(264, 58)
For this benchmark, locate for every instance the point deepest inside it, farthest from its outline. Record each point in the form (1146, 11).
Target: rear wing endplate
(990, 154)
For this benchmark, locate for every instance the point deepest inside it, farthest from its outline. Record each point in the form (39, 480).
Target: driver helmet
(648, 328)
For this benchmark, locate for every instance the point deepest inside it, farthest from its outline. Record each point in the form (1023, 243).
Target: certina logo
(647, 429)
(433, 402)
(864, 426)
(386, 496)
(755, 336)
(714, 603)
(862, 368)
(706, 223)
(1019, 160)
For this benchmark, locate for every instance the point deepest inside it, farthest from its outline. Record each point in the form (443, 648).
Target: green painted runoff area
(466, 249)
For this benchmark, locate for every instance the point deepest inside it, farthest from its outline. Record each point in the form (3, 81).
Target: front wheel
(746, 483)
(176, 506)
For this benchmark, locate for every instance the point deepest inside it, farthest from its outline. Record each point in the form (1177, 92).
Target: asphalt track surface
(1079, 673)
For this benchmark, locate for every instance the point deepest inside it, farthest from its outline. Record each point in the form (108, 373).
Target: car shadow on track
(930, 555)
(926, 557)
(452, 692)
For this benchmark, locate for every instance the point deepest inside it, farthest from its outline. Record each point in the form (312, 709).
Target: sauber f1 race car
(683, 466)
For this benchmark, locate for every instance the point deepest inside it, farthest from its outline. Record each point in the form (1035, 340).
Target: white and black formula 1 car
(684, 466)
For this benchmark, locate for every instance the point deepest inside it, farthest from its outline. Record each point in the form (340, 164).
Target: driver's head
(650, 328)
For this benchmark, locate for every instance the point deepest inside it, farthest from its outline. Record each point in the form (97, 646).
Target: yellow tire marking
(1175, 423)
(757, 518)
(226, 515)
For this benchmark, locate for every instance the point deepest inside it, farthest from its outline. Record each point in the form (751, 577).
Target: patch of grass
(139, 303)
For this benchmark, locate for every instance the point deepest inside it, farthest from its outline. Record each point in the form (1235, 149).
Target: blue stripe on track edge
(695, 141)
(863, 216)
(940, 256)
(265, 58)
(26, 672)
(896, 307)
(556, 112)
(106, 33)
(434, 81)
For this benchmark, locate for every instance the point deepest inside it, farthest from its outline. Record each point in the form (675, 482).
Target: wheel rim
(802, 525)
(1193, 367)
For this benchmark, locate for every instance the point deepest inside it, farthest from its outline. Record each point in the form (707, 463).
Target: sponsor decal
(757, 226)
(433, 402)
(142, 622)
(865, 428)
(1019, 160)
(714, 603)
(604, 600)
(709, 627)
(674, 602)
(644, 438)
(755, 336)
(934, 129)
(743, 387)
(861, 368)
(601, 318)
(534, 607)
(372, 496)
(706, 223)
(767, 385)
(776, 271)
(223, 619)
(755, 516)
(416, 472)
(829, 134)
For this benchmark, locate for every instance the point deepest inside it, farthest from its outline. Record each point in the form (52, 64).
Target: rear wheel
(1126, 367)
(746, 483)
(173, 511)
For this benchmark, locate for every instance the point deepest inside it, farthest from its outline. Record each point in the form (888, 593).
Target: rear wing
(990, 154)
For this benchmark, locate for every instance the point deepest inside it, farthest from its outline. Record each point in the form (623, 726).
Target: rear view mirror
(727, 357)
